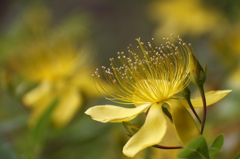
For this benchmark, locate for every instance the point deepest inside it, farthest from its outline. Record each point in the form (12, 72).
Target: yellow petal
(38, 99)
(185, 126)
(39, 107)
(68, 105)
(151, 133)
(211, 98)
(37, 95)
(110, 113)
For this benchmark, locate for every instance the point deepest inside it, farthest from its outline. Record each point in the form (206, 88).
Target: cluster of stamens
(168, 62)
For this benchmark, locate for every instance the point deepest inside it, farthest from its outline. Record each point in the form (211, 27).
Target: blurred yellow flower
(61, 72)
(150, 80)
(183, 17)
(234, 78)
(227, 44)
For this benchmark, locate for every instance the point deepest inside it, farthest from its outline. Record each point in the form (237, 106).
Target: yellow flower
(228, 50)
(61, 72)
(184, 17)
(150, 80)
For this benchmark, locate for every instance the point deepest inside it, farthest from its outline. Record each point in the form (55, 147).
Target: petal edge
(211, 98)
(116, 114)
(151, 133)
(184, 124)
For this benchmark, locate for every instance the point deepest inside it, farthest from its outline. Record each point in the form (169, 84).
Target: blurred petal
(151, 133)
(39, 108)
(111, 113)
(38, 99)
(37, 96)
(68, 105)
(185, 126)
(211, 98)
(86, 84)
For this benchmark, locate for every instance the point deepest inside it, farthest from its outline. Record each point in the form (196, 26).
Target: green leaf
(40, 129)
(238, 156)
(217, 145)
(196, 149)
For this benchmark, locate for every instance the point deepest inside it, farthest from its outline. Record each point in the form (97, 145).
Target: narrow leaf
(40, 129)
(217, 145)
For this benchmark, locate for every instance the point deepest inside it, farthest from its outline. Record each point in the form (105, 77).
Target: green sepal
(202, 77)
(131, 128)
(217, 145)
(186, 93)
(166, 112)
(198, 78)
(196, 149)
(205, 68)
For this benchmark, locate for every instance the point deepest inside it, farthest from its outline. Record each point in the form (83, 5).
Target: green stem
(187, 95)
(201, 89)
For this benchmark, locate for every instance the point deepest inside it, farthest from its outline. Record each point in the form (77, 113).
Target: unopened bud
(197, 74)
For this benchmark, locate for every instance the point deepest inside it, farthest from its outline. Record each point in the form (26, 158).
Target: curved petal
(151, 133)
(68, 105)
(211, 98)
(37, 95)
(111, 113)
(38, 100)
(185, 126)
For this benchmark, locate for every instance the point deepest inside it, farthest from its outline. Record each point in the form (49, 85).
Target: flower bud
(197, 74)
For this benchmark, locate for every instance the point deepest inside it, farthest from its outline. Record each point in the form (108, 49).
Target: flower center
(153, 91)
